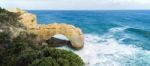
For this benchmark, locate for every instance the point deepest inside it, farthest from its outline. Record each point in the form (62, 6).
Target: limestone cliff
(44, 32)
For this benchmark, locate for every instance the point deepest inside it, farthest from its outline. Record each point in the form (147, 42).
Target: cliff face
(44, 32)
(27, 19)
(9, 23)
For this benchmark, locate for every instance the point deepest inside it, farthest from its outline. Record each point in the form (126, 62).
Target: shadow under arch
(58, 40)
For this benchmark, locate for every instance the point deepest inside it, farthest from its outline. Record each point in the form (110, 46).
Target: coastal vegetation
(24, 50)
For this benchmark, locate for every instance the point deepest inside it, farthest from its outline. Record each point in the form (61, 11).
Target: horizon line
(88, 10)
(81, 9)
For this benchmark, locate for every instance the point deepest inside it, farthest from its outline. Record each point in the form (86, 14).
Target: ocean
(112, 38)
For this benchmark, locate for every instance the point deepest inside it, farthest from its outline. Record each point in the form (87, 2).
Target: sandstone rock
(45, 32)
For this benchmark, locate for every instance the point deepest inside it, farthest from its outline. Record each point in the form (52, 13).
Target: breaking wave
(144, 33)
(107, 51)
(99, 51)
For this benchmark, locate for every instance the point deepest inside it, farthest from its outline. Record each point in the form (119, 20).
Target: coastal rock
(27, 19)
(45, 32)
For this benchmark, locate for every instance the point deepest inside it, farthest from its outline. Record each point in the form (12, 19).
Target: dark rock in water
(56, 42)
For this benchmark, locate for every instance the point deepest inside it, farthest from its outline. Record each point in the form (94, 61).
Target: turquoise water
(112, 38)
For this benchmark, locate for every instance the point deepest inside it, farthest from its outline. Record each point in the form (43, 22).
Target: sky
(76, 4)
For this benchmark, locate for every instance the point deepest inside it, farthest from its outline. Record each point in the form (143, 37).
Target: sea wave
(144, 33)
(100, 51)
(105, 50)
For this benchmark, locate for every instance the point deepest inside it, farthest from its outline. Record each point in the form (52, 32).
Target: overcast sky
(76, 4)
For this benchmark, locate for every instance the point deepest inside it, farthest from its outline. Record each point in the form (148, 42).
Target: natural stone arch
(44, 32)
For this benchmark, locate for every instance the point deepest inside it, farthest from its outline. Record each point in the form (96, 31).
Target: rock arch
(45, 32)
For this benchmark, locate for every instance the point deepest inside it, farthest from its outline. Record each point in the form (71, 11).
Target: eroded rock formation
(44, 32)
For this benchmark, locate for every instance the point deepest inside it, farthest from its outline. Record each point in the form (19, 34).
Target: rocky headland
(22, 41)
(45, 32)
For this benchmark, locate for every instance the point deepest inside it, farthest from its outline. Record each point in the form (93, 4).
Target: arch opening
(58, 40)
(60, 36)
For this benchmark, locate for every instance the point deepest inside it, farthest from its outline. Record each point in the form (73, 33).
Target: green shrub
(26, 57)
(4, 37)
(21, 52)
(16, 48)
(63, 57)
(44, 61)
(4, 41)
(48, 57)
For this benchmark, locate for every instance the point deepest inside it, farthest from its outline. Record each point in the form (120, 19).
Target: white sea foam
(106, 51)
(117, 29)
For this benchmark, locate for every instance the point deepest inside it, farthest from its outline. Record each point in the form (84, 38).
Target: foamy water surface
(106, 51)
